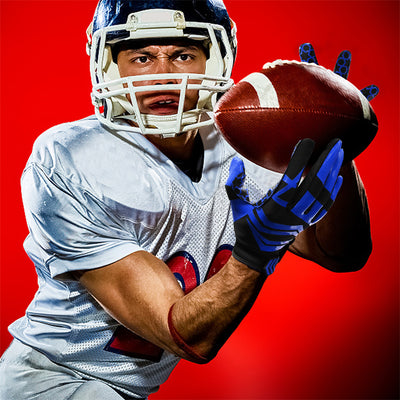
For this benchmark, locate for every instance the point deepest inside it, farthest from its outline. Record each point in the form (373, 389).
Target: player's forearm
(207, 316)
(341, 241)
(142, 294)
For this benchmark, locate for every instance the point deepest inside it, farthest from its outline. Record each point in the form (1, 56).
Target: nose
(164, 65)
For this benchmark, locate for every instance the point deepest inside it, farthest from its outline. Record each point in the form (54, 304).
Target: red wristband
(181, 342)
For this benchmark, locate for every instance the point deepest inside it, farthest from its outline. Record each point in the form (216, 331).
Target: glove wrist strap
(271, 264)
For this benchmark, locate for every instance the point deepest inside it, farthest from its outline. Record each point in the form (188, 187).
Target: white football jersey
(92, 197)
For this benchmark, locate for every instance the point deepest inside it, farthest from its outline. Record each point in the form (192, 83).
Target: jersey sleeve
(73, 228)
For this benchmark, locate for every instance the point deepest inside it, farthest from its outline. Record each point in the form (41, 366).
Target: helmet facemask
(115, 98)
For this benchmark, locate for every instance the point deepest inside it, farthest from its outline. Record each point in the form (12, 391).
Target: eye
(185, 57)
(141, 59)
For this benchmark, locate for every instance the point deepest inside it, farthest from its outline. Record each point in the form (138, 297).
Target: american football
(265, 114)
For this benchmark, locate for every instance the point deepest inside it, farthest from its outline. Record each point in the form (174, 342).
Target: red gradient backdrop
(312, 334)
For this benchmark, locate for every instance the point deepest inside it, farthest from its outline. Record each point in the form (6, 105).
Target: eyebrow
(179, 49)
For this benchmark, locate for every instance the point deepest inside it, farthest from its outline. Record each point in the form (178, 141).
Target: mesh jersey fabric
(91, 197)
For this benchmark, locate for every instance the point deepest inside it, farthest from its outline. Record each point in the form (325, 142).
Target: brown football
(265, 114)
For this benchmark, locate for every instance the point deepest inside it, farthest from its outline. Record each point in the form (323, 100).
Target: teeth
(165, 102)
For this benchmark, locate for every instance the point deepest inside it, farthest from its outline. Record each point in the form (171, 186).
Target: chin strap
(190, 351)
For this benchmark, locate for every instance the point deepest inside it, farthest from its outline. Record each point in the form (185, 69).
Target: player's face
(162, 59)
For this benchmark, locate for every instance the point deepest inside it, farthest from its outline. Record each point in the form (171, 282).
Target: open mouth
(163, 105)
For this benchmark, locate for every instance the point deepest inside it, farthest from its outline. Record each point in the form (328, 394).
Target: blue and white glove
(342, 66)
(265, 230)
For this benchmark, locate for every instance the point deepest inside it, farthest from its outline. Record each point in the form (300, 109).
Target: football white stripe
(264, 88)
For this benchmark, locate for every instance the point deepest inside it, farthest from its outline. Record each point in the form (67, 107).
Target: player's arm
(139, 290)
(341, 241)
(141, 293)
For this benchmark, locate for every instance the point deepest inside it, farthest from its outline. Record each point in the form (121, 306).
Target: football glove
(342, 66)
(264, 230)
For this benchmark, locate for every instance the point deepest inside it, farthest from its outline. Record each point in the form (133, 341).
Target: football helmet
(114, 98)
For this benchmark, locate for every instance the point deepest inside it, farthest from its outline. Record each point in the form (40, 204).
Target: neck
(178, 148)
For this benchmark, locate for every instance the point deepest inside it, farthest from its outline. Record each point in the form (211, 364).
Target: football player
(150, 237)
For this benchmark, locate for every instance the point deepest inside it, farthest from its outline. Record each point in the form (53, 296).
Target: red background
(312, 334)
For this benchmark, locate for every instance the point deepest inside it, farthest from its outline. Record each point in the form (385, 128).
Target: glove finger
(332, 177)
(288, 185)
(333, 159)
(336, 188)
(283, 192)
(299, 159)
(312, 207)
(329, 201)
(321, 167)
(312, 201)
(307, 53)
(342, 66)
(327, 197)
(234, 183)
(370, 92)
(325, 191)
(307, 200)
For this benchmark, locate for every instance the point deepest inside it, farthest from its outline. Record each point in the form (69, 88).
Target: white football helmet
(114, 98)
